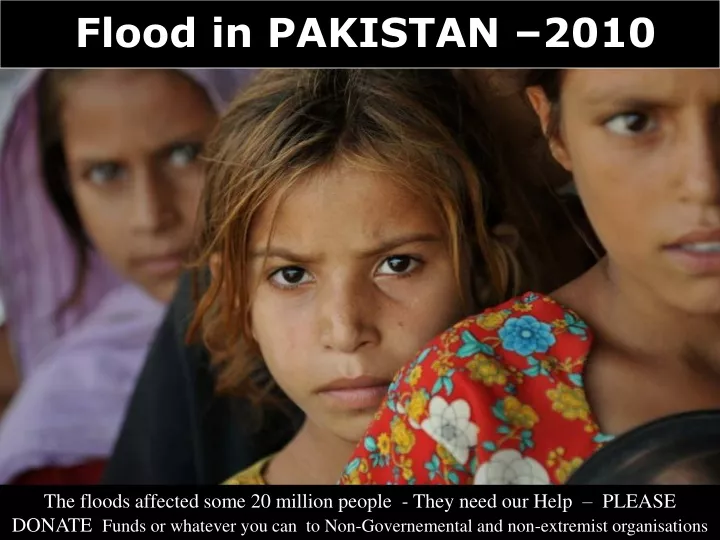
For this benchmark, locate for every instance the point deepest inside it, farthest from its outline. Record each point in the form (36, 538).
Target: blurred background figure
(99, 183)
(8, 373)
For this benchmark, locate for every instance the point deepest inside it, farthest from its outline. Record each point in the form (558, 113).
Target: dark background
(44, 34)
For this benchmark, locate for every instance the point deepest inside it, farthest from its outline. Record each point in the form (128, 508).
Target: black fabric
(679, 449)
(177, 430)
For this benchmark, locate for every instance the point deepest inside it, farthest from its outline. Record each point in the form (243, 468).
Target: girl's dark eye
(184, 154)
(103, 173)
(289, 277)
(630, 124)
(398, 264)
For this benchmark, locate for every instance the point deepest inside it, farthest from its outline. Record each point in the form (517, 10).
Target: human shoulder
(521, 326)
(253, 475)
(486, 395)
(485, 356)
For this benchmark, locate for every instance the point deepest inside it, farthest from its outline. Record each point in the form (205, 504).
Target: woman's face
(644, 149)
(131, 141)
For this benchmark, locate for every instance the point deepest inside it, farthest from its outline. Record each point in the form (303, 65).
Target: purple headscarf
(78, 371)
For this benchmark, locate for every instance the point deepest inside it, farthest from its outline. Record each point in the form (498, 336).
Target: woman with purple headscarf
(99, 182)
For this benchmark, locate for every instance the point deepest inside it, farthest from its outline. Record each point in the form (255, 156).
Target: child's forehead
(345, 204)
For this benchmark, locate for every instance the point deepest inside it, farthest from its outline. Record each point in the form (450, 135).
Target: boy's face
(358, 277)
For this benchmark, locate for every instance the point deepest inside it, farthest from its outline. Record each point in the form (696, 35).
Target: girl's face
(131, 140)
(358, 277)
(644, 148)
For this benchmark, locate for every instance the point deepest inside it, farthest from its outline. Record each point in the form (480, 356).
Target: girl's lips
(359, 393)
(695, 260)
(161, 265)
(697, 252)
(357, 398)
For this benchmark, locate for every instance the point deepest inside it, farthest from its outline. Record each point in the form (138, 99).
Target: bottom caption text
(392, 511)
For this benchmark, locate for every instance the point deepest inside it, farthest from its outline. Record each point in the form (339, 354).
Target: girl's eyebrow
(183, 137)
(90, 155)
(631, 104)
(624, 97)
(399, 241)
(384, 246)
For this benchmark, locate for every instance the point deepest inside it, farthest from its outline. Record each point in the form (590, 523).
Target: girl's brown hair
(55, 175)
(416, 127)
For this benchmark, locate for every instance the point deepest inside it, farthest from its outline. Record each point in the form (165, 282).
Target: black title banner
(333, 509)
(455, 34)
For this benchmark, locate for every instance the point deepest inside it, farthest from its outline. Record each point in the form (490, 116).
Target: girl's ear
(544, 111)
(215, 265)
(541, 106)
(508, 235)
(505, 239)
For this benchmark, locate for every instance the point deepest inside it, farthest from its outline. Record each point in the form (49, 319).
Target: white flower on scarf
(449, 424)
(510, 467)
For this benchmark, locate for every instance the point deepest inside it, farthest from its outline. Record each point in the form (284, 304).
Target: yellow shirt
(252, 476)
